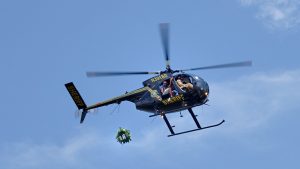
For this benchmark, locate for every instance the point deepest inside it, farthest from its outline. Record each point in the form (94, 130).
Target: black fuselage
(181, 99)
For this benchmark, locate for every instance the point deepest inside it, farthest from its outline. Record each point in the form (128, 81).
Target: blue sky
(45, 44)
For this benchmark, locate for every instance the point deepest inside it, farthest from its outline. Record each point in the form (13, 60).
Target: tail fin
(77, 99)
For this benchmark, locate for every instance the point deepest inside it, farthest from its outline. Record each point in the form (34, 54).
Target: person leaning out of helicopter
(165, 88)
(185, 86)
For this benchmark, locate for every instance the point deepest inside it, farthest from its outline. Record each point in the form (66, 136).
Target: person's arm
(162, 89)
(171, 80)
(180, 84)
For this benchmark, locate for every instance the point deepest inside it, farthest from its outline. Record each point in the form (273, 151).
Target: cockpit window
(184, 82)
(191, 80)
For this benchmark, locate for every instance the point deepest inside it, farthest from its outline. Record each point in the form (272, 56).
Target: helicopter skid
(188, 131)
(197, 129)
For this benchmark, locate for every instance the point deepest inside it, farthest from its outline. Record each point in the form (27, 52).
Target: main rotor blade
(99, 74)
(227, 65)
(164, 32)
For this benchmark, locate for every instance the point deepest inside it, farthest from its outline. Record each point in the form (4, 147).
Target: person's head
(179, 77)
(165, 83)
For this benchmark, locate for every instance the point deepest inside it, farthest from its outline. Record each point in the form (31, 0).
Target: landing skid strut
(188, 131)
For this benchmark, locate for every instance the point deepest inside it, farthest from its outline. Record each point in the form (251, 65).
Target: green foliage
(123, 136)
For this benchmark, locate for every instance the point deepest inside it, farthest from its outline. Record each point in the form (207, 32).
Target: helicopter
(169, 91)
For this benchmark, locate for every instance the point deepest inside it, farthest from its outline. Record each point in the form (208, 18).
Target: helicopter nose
(202, 88)
(204, 91)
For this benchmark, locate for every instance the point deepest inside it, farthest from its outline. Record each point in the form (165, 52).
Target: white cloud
(31, 155)
(248, 104)
(276, 14)
(252, 102)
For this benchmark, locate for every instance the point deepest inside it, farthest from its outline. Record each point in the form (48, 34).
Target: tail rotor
(82, 111)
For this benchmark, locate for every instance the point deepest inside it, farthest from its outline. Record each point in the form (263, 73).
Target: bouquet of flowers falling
(123, 136)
